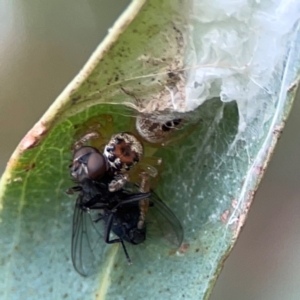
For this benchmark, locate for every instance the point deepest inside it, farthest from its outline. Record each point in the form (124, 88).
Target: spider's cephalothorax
(123, 151)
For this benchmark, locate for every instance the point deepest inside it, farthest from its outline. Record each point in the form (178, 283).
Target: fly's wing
(163, 233)
(162, 223)
(87, 239)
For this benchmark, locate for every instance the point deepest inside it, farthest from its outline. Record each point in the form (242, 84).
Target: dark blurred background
(43, 46)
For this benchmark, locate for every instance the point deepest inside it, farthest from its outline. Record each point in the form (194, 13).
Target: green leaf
(209, 177)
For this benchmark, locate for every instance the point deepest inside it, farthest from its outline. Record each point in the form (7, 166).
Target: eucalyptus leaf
(155, 62)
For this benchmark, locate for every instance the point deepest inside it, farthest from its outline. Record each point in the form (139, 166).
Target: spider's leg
(94, 131)
(118, 182)
(84, 139)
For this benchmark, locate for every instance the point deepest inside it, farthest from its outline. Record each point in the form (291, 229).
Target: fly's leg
(114, 241)
(132, 199)
(73, 189)
(125, 252)
(108, 231)
(99, 219)
(94, 203)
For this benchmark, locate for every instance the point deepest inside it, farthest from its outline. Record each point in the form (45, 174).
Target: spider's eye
(96, 165)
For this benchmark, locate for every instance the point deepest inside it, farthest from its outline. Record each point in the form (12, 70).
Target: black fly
(125, 213)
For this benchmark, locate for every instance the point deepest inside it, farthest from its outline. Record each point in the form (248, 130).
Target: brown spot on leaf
(33, 137)
(234, 203)
(278, 129)
(224, 216)
(259, 170)
(29, 167)
(293, 85)
(184, 248)
(241, 218)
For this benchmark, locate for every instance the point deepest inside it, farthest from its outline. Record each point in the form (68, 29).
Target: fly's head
(88, 163)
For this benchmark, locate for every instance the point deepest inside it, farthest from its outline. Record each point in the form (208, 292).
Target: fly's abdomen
(126, 226)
